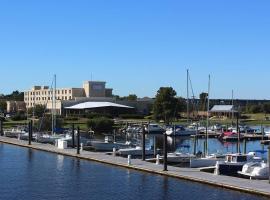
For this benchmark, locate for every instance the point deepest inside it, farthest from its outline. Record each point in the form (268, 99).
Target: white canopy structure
(93, 105)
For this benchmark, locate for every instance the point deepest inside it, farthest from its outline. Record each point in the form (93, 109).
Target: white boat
(108, 146)
(137, 151)
(15, 132)
(154, 128)
(207, 161)
(234, 163)
(255, 170)
(178, 157)
(179, 131)
(47, 138)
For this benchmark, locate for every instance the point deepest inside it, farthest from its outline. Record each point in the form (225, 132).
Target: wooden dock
(244, 185)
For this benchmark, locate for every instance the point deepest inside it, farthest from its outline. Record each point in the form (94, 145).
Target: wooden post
(269, 161)
(245, 146)
(78, 140)
(238, 134)
(30, 129)
(165, 164)
(143, 143)
(73, 136)
(262, 130)
(155, 146)
(1, 127)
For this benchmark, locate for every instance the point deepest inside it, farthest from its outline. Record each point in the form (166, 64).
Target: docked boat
(15, 132)
(47, 138)
(154, 129)
(207, 161)
(231, 136)
(137, 151)
(255, 170)
(234, 163)
(179, 131)
(108, 144)
(179, 157)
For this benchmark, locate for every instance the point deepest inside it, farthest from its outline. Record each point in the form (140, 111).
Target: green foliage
(14, 96)
(45, 123)
(131, 116)
(166, 104)
(203, 100)
(98, 115)
(38, 110)
(3, 106)
(18, 117)
(101, 124)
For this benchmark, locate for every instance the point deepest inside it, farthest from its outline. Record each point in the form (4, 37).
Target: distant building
(16, 106)
(223, 111)
(43, 95)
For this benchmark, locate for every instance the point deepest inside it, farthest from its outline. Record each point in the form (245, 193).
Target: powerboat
(207, 161)
(255, 170)
(179, 157)
(234, 163)
(15, 132)
(137, 151)
(179, 131)
(154, 129)
(230, 135)
(108, 144)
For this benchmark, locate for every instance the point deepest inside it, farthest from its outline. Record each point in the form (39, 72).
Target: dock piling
(157, 160)
(1, 127)
(143, 143)
(238, 134)
(73, 136)
(245, 146)
(30, 129)
(129, 160)
(78, 140)
(269, 161)
(165, 145)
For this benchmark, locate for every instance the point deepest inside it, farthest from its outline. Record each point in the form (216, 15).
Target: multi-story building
(43, 95)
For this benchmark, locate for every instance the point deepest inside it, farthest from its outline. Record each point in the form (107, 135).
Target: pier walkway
(244, 185)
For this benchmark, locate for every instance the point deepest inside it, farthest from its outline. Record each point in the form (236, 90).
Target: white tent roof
(89, 105)
(223, 108)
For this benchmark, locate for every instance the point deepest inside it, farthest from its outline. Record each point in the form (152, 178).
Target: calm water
(30, 174)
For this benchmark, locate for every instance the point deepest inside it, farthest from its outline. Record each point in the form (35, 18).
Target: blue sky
(137, 45)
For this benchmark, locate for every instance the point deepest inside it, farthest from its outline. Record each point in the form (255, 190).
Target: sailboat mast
(54, 101)
(208, 108)
(232, 107)
(187, 95)
(53, 110)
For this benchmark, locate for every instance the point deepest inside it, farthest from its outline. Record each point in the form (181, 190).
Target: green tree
(266, 108)
(3, 106)
(203, 100)
(38, 110)
(132, 97)
(165, 105)
(101, 124)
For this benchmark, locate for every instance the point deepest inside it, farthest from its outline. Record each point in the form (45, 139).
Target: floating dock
(256, 187)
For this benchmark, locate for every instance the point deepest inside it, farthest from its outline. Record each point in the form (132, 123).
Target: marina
(258, 187)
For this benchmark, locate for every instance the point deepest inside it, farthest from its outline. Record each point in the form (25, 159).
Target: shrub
(18, 117)
(101, 124)
(131, 116)
(98, 115)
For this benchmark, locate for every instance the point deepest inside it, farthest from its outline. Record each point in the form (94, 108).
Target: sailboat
(207, 160)
(51, 138)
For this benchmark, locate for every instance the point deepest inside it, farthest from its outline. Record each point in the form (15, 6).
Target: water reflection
(188, 145)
